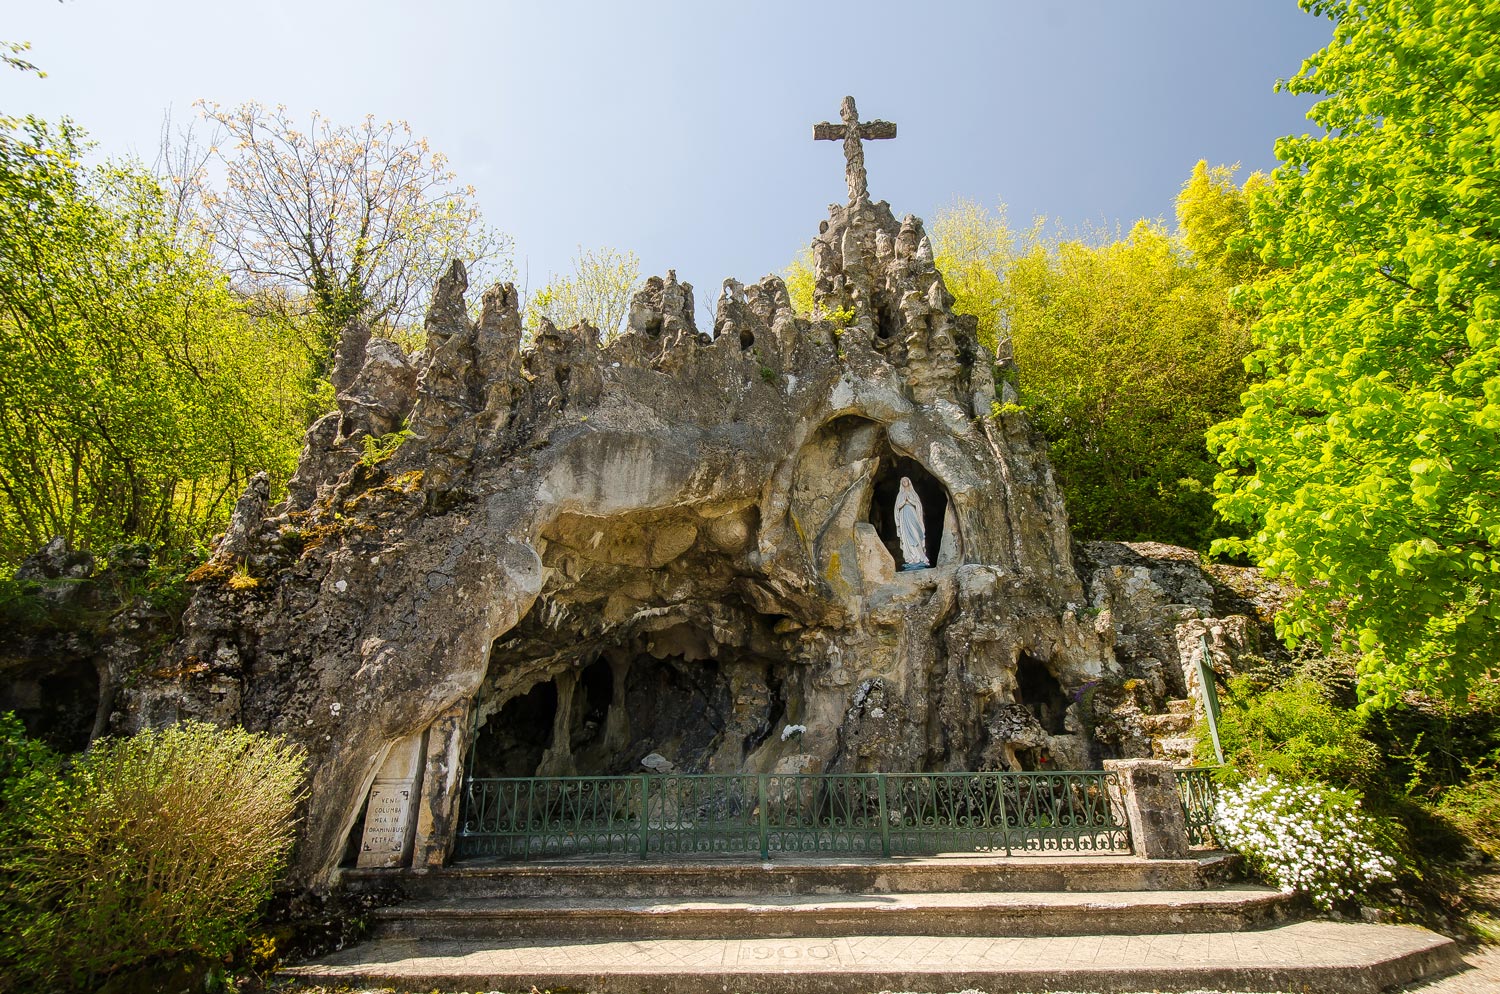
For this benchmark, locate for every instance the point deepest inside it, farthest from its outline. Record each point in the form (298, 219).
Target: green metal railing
(884, 814)
(1199, 792)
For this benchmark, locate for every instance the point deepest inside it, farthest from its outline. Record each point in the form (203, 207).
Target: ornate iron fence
(1199, 792)
(868, 813)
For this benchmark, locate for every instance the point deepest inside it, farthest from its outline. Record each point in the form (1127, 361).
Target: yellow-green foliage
(840, 317)
(974, 249)
(800, 279)
(137, 392)
(161, 846)
(378, 450)
(1473, 807)
(598, 292)
(241, 579)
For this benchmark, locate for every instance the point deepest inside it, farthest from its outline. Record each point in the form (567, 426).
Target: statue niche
(885, 501)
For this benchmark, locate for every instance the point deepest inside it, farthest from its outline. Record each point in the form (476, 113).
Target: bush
(1296, 733)
(158, 847)
(1303, 839)
(1474, 808)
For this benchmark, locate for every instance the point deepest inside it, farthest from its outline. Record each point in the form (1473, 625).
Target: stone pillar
(557, 761)
(617, 719)
(1153, 808)
(441, 798)
(392, 804)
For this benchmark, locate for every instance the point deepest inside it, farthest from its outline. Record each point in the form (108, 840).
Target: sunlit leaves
(135, 394)
(1127, 351)
(1367, 460)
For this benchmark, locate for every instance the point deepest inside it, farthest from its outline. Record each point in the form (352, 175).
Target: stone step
(1314, 956)
(1161, 724)
(982, 914)
(638, 879)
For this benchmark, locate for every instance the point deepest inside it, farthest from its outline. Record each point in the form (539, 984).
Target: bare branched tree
(335, 222)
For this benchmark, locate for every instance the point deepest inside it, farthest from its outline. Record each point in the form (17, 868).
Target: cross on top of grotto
(852, 132)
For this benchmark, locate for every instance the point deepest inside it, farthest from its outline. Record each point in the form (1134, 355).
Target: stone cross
(852, 132)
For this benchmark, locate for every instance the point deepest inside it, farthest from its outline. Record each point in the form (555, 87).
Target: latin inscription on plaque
(392, 803)
(387, 823)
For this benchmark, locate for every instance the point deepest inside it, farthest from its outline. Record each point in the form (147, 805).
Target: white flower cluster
(791, 730)
(1303, 839)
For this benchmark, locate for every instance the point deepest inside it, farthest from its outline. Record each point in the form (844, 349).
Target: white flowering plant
(1303, 838)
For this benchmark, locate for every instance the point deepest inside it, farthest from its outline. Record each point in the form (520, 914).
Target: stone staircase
(1172, 730)
(1082, 923)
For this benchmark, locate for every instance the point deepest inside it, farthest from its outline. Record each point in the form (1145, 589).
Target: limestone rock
(378, 399)
(249, 511)
(56, 561)
(1155, 603)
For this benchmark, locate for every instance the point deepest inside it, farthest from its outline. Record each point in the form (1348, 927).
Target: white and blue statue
(910, 528)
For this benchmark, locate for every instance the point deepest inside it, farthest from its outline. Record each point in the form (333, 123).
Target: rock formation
(678, 547)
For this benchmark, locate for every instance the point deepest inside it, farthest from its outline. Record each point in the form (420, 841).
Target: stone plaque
(392, 803)
(387, 823)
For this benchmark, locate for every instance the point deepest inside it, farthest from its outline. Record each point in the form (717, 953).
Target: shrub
(1303, 839)
(1474, 808)
(1296, 733)
(157, 847)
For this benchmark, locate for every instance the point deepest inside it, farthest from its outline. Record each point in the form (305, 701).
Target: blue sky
(683, 130)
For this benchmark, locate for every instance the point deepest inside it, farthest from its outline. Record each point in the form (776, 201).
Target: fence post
(1153, 807)
(1004, 818)
(885, 818)
(645, 814)
(765, 816)
(1210, 695)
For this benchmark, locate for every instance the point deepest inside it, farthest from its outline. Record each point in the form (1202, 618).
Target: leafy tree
(801, 280)
(599, 292)
(1214, 217)
(1127, 349)
(975, 250)
(1128, 352)
(135, 396)
(334, 221)
(1364, 460)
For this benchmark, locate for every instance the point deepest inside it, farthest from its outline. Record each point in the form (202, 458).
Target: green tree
(1213, 215)
(1128, 352)
(135, 396)
(975, 249)
(324, 224)
(1364, 460)
(598, 291)
(801, 281)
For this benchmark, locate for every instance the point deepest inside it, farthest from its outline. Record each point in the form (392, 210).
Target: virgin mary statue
(910, 527)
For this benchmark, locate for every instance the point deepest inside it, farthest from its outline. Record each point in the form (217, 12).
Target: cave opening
(882, 512)
(1038, 690)
(512, 741)
(885, 320)
(59, 707)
